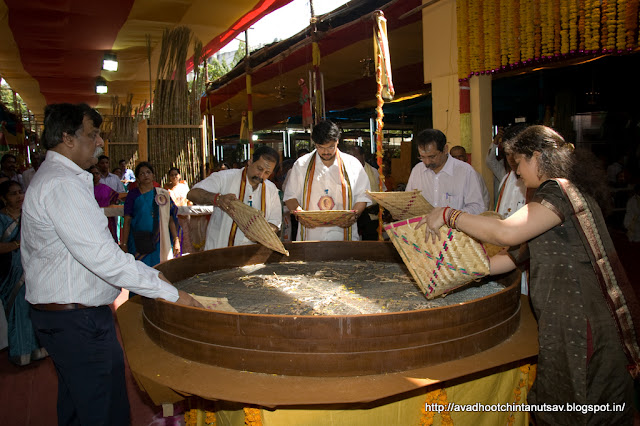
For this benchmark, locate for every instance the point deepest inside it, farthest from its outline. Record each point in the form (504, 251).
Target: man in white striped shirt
(443, 180)
(74, 270)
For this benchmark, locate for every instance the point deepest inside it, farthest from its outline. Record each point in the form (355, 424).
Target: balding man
(443, 180)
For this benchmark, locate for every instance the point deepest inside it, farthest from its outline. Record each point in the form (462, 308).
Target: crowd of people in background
(531, 166)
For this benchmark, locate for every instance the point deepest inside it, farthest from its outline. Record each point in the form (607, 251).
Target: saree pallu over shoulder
(613, 280)
(163, 200)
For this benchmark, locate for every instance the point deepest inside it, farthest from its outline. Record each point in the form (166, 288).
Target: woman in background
(179, 189)
(23, 344)
(150, 222)
(105, 196)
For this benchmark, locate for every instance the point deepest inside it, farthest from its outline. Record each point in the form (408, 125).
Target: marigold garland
(557, 28)
(191, 417)
(252, 416)
(486, 29)
(462, 10)
(564, 28)
(541, 24)
(546, 29)
(517, 57)
(620, 42)
(573, 26)
(437, 396)
(595, 29)
(517, 392)
(497, 49)
(582, 26)
(495, 35)
(631, 23)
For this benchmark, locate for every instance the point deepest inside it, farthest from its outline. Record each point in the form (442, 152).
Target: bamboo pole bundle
(174, 128)
(123, 132)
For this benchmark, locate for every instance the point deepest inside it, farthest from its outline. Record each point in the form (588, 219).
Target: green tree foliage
(217, 69)
(240, 54)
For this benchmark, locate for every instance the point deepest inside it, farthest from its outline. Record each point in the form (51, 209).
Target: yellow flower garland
(631, 23)
(546, 27)
(595, 29)
(495, 35)
(506, 35)
(557, 28)
(437, 396)
(486, 29)
(582, 26)
(620, 42)
(252, 417)
(573, 26)
(564, 25)
(462, 11)
(191, 417)
(588, 25)
(515, 57)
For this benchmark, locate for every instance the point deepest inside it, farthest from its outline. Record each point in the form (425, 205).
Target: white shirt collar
(65, 161)
(447, 168)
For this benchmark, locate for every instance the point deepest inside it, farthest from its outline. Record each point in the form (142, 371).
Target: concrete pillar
(440, 51)
(445, 95)
(481, 125)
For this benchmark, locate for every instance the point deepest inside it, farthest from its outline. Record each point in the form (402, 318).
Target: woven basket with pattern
(440, 267)
(320, 218)
(402, 205)
(253, 224)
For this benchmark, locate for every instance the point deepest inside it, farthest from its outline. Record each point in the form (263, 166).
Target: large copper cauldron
(324, 346)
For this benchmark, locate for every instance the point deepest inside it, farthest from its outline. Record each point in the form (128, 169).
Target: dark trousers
(90, 364)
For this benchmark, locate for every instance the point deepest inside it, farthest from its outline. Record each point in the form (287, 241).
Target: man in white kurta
(443, 180)
(327, 183)
(222, 187)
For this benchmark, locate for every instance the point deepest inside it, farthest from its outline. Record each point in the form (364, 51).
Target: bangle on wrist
(444, 217)
(215, 199)
(17, 244)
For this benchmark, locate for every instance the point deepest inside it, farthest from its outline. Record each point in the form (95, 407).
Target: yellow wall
(481, 122)
(440, 50)
(440, 47)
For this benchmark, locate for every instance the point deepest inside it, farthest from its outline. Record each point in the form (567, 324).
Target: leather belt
(59, 306)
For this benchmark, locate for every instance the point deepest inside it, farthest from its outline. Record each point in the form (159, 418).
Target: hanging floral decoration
(500, 35)
(437, 396)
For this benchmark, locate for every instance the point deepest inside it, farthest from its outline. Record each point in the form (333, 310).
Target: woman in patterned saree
(150, 221)
(587, 312)
(23, 345)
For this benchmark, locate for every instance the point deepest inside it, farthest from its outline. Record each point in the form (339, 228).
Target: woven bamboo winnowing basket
(402, 205)
(255, 226)
(453, 261)
(320, 218)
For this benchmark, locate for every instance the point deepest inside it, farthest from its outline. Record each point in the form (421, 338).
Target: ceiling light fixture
(101, 86)
(110, 62)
